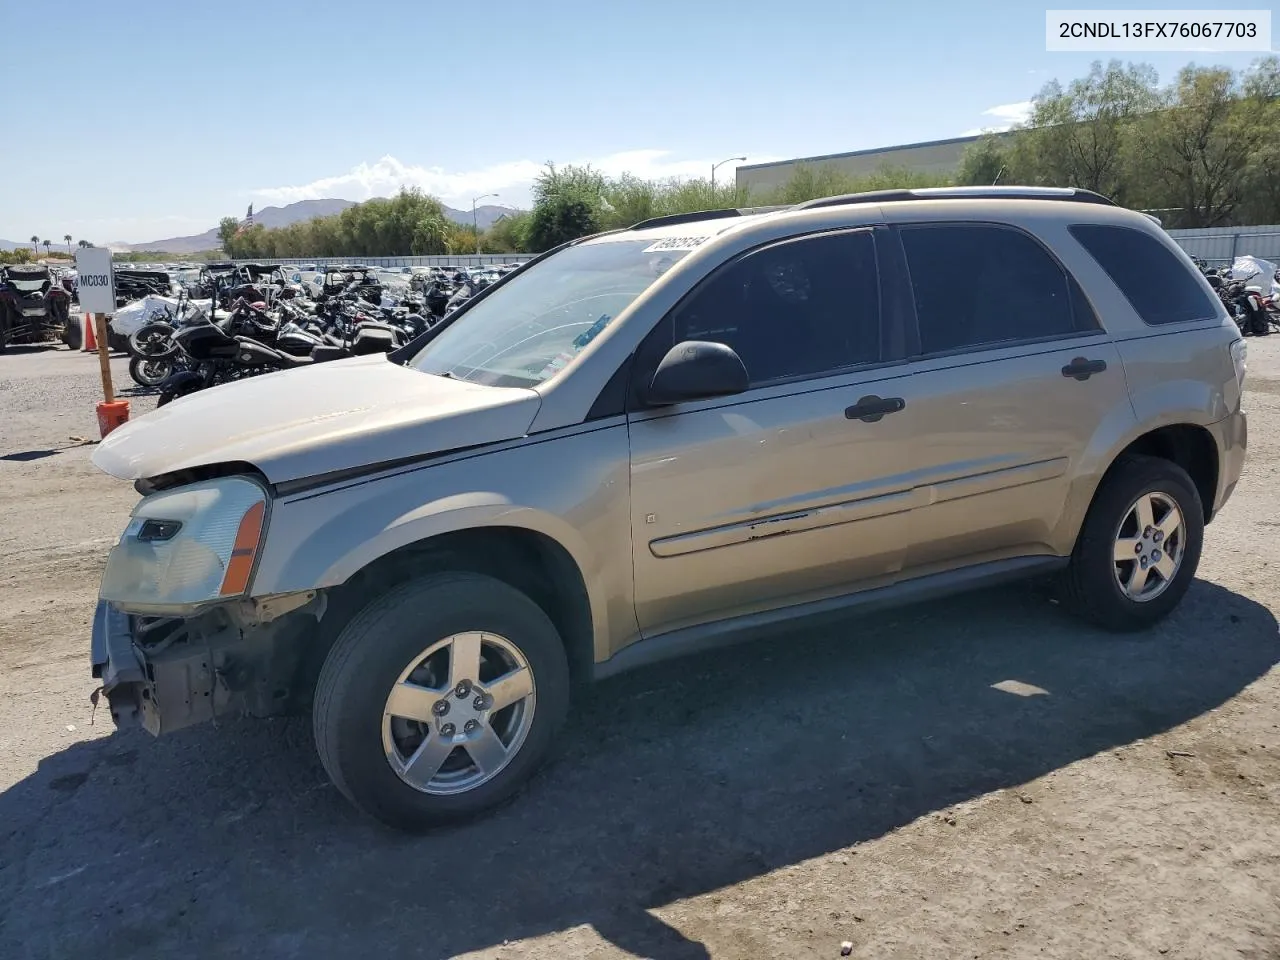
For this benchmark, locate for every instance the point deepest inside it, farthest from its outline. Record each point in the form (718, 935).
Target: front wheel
(1139, 547)
(152, 339)
(150, 371)
(439, 699)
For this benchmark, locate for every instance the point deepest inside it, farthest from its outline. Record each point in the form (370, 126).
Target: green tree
(1261, 89)
(984, 163)
(506, 234)
(227, 228)
(1083, 136)
(1196, 150)
(566, 205)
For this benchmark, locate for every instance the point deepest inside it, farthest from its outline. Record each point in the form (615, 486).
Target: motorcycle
(217, 356)
(1245, 303)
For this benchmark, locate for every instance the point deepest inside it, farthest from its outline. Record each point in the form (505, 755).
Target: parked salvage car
(34, 307)
(651, 441)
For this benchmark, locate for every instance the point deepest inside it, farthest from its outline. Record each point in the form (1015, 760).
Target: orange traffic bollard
(89, 340)
(111, 415)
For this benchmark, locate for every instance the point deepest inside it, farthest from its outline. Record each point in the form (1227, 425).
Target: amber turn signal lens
(236, 580)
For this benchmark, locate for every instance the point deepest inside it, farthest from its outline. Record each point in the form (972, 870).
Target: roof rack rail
(1071, 194)
(699, 215)
(677, 218)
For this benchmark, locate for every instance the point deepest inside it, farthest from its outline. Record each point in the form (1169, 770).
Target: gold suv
(660, 439)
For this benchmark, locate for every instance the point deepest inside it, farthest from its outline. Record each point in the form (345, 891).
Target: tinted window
(978, 284)
(1157, 284)
(801, 308)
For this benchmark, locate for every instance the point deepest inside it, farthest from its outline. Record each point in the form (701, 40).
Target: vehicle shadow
(673, 782)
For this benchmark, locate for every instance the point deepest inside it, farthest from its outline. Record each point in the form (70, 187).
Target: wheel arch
(533, 562)
(535, 552)
(1189, 445)
(1182, 437)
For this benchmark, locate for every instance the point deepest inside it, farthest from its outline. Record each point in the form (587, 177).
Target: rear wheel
(1140, 545)
(440, 699)
(73, 333)
(150, 371)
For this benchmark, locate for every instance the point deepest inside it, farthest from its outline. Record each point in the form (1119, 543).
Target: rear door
(1014, 379)
(784, 493)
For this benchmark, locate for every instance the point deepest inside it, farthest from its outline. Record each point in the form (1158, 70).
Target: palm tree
(67, 237)
(35, 243)
(47, 245)
(83, 244)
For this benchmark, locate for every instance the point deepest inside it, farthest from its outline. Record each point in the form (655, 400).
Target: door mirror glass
(697, 370)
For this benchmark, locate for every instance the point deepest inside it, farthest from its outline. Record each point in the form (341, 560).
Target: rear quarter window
(1159, 286)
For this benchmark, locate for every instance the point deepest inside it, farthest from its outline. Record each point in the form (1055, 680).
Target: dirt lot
(975, 778)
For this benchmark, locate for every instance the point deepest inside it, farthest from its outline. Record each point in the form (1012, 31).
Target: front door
(790, 491)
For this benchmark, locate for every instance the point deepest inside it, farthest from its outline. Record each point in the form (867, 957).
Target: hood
(314, 420)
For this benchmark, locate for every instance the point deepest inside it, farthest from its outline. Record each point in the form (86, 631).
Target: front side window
(802, 308)
(978, 285)
(538, 321)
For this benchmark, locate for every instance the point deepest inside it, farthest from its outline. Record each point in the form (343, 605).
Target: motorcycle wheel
(152, 340)
(150, 371)
(169, 395)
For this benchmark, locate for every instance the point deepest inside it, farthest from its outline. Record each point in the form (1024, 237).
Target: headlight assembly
(187, 546)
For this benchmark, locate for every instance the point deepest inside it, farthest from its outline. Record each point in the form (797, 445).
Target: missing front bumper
(202, 668)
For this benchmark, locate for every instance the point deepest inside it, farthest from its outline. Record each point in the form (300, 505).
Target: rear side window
(978, 285)
(1159, 286)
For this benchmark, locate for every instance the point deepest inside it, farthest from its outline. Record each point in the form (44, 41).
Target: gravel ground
(979, 777)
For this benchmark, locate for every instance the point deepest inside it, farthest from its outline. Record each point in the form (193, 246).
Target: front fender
(319, 540)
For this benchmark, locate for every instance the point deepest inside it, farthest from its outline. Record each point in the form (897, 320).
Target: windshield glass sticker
(676, 243)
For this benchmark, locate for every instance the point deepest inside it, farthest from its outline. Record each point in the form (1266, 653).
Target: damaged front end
(250, 657)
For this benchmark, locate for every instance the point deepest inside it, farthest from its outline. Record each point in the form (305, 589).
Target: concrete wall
(934, 156)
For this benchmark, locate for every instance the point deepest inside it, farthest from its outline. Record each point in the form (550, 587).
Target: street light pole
(714, 166)
(474, 225)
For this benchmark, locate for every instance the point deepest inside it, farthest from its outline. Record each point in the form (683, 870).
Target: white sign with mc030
(95, 280)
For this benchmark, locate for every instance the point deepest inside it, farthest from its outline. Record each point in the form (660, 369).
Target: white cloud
(510, 180)
(1010, 113)
(1007, 115)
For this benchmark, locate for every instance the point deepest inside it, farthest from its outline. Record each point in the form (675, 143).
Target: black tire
(152, 339)
(380, 642)
(150, 371)
(73, 337)
(169, 395)
(1090, 585)
(117, 342)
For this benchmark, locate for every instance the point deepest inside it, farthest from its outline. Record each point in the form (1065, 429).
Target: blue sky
(177, 114)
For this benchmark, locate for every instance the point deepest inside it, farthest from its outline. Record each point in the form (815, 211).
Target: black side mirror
(697, 370)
